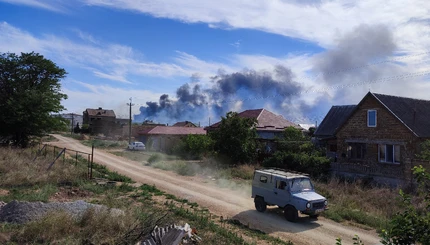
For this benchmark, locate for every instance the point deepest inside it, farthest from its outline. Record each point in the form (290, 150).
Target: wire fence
(61, 154)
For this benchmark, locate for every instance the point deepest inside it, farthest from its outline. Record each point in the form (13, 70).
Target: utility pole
(129, 123)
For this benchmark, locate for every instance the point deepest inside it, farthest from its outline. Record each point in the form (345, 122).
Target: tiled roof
(335, 118)
(166, 130)
(414, 113)
(266, 120)
(100, 112)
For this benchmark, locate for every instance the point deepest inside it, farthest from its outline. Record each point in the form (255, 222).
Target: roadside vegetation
(145, 206)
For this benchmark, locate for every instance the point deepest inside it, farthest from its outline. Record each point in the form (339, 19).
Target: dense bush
(296, 152)
(154, 158)
(303, 162)
(194, 147)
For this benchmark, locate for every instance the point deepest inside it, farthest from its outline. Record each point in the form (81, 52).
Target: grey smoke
(252, 88)
(363, 45)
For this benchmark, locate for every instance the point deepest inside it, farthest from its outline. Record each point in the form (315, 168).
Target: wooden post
(92, 159)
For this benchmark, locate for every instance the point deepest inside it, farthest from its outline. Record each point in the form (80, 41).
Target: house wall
(389, 130)
(162, 143)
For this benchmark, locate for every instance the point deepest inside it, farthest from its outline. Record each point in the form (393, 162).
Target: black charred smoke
(237, 91)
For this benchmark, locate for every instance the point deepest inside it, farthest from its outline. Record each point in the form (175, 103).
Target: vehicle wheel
(291, 213)
(314, 216)
(260, 204)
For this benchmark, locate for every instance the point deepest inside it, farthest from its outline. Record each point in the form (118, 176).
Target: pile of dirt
(22, 212)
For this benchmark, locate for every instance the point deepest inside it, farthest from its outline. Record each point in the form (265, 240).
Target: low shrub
(154, 158)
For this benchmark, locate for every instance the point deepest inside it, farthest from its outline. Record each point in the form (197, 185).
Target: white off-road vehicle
(293, 192)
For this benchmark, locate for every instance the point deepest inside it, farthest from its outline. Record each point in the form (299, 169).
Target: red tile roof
(266, 120)
(166, 130)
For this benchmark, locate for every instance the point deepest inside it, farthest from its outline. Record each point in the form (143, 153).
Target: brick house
(164, 138)
(380, 138)
(99, 121)
(326, 131)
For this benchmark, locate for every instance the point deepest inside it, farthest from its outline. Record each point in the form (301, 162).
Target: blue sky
(295, 58)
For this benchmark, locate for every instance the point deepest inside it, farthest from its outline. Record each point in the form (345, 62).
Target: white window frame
(368, 118)
(394, 153)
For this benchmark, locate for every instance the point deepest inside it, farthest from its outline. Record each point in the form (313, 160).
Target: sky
(195, 60)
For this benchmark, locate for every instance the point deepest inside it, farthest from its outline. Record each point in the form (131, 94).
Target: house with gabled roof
(269, 125)
(378, 138)
(326, 131)
(164, 138)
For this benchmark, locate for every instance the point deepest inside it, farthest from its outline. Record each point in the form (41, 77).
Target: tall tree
(30, 91)
(235, 138)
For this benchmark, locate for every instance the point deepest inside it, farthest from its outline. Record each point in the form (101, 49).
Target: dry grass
(355, 202)
(95, 227)
(17, 168)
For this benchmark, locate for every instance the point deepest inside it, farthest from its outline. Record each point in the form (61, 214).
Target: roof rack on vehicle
(284, 170)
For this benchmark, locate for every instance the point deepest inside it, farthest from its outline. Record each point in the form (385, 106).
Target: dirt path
(226, 202)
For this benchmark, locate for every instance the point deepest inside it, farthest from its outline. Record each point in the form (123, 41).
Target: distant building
(99, 121)
(185, 124)
(269, 125)
(164, 138)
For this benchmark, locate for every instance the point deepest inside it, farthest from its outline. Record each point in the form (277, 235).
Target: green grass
(30, 193)
(100, 171)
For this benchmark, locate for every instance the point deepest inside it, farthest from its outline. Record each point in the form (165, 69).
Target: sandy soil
(228, 203)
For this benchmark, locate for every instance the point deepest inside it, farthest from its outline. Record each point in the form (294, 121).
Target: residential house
(379, 138)
(184, 124)
(269, 126)
(164, 138)
(326, 131)
(99, 121)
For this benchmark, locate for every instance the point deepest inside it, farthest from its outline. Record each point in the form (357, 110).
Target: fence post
(88, 165)
(76, 162)
(92, 159)
(64, 156)
(54, 150)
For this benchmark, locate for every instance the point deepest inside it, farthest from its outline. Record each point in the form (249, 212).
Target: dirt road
(227, 203)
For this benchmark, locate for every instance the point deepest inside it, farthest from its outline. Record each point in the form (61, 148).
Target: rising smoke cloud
(240, 90)
(277, 90)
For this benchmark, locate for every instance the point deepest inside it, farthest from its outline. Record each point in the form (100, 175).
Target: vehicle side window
(281, 185)
(263, 179)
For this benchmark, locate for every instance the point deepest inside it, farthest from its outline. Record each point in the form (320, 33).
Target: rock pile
(22, 212)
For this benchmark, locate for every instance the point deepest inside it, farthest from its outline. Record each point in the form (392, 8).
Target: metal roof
(334, 119)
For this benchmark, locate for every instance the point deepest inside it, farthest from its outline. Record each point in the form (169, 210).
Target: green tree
(412, 225)
(297, 152)
(194, 146)
(235, 138)
(30, 92)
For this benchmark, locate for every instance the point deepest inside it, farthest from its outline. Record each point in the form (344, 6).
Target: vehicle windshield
(299, 185)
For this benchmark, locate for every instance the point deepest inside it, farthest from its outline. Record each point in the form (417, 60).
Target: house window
(356, 150)
(371, 118)
(389, 153)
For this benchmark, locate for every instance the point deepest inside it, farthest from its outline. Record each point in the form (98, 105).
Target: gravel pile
(22, 212)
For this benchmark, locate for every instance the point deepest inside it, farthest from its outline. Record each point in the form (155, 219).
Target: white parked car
(136, 146)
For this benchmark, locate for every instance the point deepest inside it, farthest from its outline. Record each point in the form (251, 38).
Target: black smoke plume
(238, 91)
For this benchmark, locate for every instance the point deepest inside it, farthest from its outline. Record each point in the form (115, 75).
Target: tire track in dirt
(227, 203)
